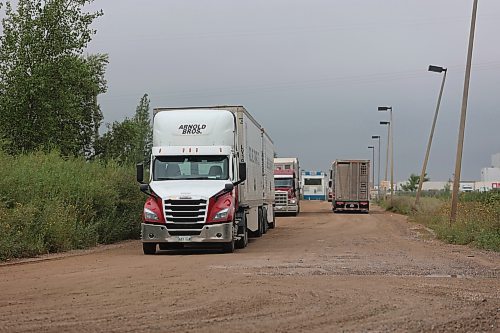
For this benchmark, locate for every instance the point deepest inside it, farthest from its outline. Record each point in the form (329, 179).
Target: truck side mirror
(329, 183)
(139, 167)
(229, 187)
(242, 171)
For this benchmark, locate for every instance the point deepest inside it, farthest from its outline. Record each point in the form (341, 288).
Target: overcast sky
(313, 72)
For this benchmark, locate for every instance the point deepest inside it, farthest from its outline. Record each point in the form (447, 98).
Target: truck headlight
(293, 201)
(222, 214)
(150, 215)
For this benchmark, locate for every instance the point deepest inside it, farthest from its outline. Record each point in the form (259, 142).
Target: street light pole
(388, 123)
(378, 165)
(426, 159)
(373, 165)
(465, 97)
(391, 131)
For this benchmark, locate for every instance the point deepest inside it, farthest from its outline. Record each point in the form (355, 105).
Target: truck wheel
(258, 233)
(265, 225)
(243, 241)
(149, 248)
(228, 247)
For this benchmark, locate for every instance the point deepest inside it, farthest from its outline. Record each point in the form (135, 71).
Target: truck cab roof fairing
(187, 127)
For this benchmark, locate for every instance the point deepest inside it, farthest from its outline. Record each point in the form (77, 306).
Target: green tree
(412, 182)
(48, 88)
(129, 141)
(144, 136)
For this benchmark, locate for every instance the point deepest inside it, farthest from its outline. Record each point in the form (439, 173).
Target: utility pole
(463, 114)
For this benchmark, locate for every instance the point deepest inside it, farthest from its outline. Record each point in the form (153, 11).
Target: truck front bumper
(211, 233)
(286, 209)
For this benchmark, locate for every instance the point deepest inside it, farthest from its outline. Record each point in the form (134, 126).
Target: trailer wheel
(265, 225)
(258, 233)
(149, 248)
(243, 241)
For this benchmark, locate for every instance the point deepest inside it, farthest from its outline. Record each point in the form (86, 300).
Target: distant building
(492, 174)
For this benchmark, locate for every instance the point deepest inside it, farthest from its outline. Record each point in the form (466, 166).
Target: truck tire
(265, 225)
(243, 241)
(149, 248)
(228, 247)
(258, 232)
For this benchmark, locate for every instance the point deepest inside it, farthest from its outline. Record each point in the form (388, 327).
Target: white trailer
(350, 185)
(207, 179)
(314, 185)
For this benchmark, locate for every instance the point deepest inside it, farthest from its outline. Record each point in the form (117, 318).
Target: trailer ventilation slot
(364, 169)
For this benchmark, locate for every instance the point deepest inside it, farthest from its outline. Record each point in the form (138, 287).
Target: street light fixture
(435, 69)
(391, 131)
(378, 164)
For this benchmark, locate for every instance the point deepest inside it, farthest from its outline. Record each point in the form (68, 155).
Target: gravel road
(318, 272)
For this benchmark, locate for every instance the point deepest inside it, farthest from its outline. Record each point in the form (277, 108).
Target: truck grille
(185, 211)
(281, 198)
(185, 217)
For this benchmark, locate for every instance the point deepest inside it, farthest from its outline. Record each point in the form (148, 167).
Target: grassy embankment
(51, 204)
(478, 218)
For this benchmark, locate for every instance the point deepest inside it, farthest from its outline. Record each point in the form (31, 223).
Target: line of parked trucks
(214, 179)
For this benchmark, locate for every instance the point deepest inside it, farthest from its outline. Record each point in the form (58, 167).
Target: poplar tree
(129, 141)
(48, 87)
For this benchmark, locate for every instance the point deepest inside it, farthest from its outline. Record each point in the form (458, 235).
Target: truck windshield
(283, 182)
(190, 167)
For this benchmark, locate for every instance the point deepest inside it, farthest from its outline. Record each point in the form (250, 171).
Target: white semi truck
(211, 179)
(287, 185)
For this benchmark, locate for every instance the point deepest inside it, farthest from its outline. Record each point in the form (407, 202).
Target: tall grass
(478, 217)
(51, 204)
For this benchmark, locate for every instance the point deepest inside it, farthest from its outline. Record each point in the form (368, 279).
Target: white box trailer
(350, 185)
(207, 179)
(314, 185)
(268, 176)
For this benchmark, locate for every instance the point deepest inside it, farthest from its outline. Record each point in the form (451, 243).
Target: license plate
(184, 238)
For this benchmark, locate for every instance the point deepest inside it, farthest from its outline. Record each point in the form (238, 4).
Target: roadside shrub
(478, 217)
(51, 204)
